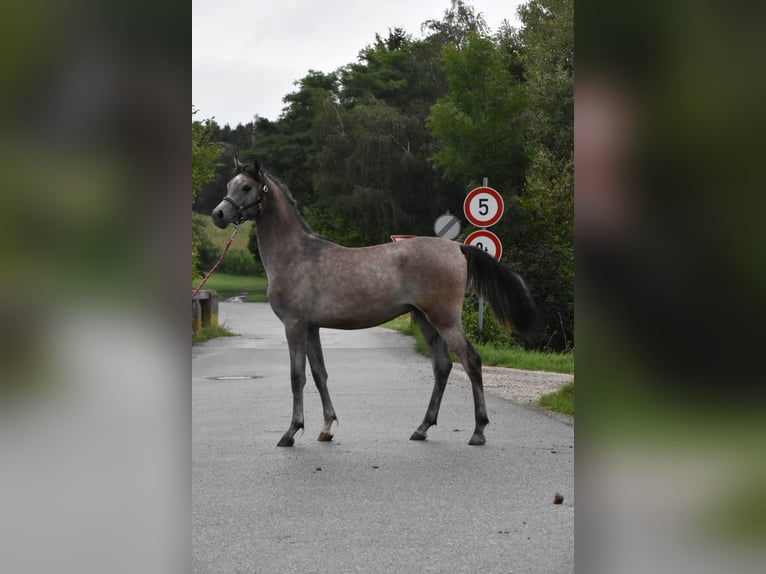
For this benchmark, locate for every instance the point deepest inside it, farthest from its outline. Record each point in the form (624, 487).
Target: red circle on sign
(482, 213)
(481, 237)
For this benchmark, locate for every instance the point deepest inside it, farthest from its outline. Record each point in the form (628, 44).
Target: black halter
(256, 203)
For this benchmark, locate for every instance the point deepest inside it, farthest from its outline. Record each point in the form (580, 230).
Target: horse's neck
(278, 229)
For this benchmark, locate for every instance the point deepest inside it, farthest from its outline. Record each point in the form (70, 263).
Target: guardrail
(204, 310)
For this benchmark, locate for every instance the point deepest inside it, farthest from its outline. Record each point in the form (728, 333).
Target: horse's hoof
(324, 437)
(418, 436)
(477, 439)
(286, 441)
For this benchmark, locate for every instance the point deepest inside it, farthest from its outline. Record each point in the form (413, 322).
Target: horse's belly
(343, 315)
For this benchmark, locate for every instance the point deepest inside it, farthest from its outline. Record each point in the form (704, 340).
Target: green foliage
(229, 141)
(332, 223)
(358, 146)
(548, 56)
(508, 115)
(240, 259)
(195, 258)
(211, 332)
(235, 262)
(496, 354)
(562, 401)
(256, 297)
(521, 358)
(252, 247)
(478, 124)
(207, 251)
(239, 262)
(546, 248)
(548, 245)
(404, 324)
(458, 23)
(227, 285)
(220, 237)
(204, 152)
(492, 331)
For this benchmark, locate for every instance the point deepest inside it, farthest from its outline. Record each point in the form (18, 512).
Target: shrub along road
(371, 500)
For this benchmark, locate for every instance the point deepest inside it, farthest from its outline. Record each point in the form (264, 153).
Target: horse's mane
(290, 200)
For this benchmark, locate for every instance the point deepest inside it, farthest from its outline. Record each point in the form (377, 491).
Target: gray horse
(313, 283)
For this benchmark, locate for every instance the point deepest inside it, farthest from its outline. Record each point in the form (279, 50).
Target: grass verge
(229, 285)
(562, 401)
(220, 237)
(211, 332)
(493, 355)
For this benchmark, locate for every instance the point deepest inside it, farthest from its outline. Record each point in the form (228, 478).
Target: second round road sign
(486, 241)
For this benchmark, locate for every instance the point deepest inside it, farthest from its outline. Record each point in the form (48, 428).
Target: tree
(204, 153)
(547, 246)
(385, 144)
(228, 142)
(547, 53)
(479, 123)
(287, 146)
(457, 24)
(508, 114)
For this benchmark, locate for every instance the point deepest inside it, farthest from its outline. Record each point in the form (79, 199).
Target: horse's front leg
(296, 342)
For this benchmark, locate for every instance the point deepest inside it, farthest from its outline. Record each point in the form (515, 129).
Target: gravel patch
(516, 385)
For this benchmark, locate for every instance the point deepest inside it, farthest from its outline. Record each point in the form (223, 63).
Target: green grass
(404, 325)
(228, 285)
(562, 401)
(494, 355)
(221, 236)
(519, 358)
(211, 332)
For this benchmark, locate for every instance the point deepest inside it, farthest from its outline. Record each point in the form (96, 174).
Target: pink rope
(217, 263)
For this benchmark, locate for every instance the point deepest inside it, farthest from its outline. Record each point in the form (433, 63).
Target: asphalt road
(371, 500)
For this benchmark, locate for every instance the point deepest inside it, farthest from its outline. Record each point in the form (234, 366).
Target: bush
(207, 251)
(493, 331)
(208, 255)
(239, 262)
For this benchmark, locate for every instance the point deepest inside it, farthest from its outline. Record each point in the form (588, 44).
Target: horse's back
(414, 260)
(425, 272)
(360, 287)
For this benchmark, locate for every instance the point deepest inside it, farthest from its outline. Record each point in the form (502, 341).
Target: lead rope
(213, 268)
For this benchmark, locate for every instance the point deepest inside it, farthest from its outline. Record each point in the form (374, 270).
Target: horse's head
(244, 195)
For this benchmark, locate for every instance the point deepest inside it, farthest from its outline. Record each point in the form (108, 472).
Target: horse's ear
(256, 165)
(237, 165)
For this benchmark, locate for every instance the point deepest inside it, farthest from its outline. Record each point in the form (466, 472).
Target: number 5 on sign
(483, 206)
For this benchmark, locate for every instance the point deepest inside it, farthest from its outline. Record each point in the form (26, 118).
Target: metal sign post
(485, 183)
(483, 207)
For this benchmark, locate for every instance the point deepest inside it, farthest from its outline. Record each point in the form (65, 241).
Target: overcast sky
(246, 54)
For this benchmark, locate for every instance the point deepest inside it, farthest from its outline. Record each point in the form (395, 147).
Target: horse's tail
(504, 290)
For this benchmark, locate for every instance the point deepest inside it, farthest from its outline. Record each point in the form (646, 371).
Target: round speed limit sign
(483, 206)
(486, 241)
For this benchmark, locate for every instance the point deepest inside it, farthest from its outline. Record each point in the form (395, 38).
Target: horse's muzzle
(218, 218)
(221, 216)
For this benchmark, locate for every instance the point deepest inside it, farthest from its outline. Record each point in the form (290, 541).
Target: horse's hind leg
(318, 371)
(471, 361)
(442, 365)
(297, 343)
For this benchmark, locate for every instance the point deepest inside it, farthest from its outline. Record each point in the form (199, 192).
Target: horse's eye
(247, 187)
